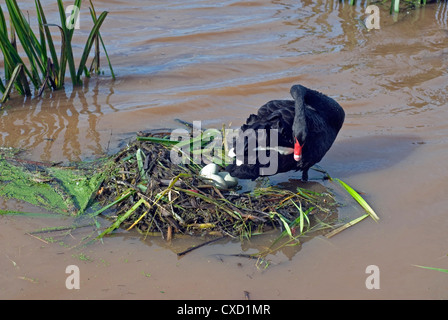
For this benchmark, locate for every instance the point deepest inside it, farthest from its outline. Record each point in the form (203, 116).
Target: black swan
(306, 128)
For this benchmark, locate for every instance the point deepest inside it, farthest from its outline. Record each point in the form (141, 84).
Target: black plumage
(312, 118)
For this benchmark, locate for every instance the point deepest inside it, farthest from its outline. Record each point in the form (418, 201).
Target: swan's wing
(327, 108)
(284, 107)
(314, 120)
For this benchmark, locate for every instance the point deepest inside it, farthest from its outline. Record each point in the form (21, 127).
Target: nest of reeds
(153, 195)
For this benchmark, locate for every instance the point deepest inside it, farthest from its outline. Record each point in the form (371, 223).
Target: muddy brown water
(218, 61)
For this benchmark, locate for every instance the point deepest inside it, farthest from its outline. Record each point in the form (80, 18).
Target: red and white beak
(297, 151)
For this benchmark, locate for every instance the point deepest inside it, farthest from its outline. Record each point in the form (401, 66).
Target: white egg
(217, 181)
(230, 181)
(211, 168)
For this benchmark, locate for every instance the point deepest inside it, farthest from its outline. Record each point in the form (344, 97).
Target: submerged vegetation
(59, 189)
(39, 66)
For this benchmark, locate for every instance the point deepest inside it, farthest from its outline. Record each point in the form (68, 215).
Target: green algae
(63, 190)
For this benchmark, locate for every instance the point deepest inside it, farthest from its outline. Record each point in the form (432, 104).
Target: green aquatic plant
(395, 4)
(359, 199)
(432, 268)
(44, 68)
(54, 188)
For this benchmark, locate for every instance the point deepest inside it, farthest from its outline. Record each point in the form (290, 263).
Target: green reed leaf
(359, 199)
(122, 218)
(43, 24)
(431, 268)
(89, 43)
(14, 76)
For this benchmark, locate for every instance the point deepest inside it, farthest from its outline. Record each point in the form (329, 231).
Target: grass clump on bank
(40, 65)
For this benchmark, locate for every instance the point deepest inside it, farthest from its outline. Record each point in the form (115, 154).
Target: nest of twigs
(151, 194)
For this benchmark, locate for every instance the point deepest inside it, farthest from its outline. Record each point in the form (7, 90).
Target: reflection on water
(61, 123)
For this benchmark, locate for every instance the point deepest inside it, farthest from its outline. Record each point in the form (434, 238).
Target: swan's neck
(299, 125)
(299, 111)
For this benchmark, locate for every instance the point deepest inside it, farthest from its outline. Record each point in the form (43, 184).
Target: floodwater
(217, 62)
